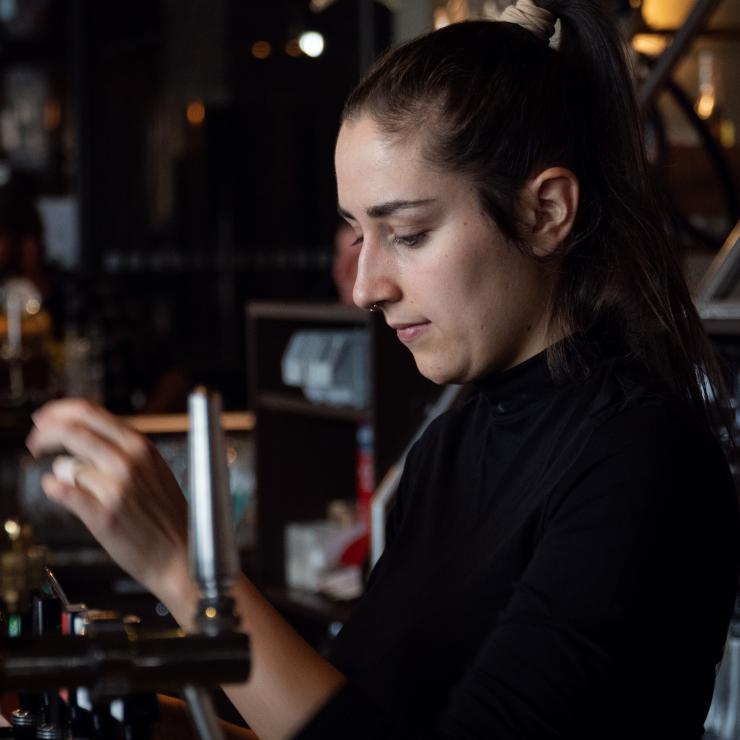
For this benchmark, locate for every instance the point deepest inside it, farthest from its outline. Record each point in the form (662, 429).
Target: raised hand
(115, 481)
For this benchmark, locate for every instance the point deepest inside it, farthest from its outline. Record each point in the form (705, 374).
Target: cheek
(477, 286)
(438, 291)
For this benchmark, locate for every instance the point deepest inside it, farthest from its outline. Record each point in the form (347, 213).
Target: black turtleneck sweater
(562, 562)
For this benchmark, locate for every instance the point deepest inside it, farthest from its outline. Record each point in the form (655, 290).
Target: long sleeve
(634, 573)
(563, 565)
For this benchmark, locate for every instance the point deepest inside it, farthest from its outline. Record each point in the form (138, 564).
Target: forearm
(288, 682)
(175, 724)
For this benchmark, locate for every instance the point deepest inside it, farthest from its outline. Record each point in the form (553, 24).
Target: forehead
(375, 166)
(362, 144)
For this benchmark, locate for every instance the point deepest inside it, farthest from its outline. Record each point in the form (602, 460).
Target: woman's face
(462, 299)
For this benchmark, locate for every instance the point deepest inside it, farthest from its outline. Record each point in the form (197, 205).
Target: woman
(562, 558)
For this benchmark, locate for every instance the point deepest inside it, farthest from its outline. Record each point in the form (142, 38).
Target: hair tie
(542, 23)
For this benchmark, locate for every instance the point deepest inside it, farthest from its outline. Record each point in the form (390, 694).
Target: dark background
(182, 223)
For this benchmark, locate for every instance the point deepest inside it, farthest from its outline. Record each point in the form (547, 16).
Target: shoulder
(655, 472)
(657, 436)
(636, 422)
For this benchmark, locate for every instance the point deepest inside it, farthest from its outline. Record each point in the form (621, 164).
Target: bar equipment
(213, 554)
(110, 664)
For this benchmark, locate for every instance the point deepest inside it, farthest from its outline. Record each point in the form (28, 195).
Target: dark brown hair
(498, 105)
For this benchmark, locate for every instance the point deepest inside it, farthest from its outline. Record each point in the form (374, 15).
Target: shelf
(722, 327)
(276, 401)
(330, 313)
(306, 454)
(231, 421)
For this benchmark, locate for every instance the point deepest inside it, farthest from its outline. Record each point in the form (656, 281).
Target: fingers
(82, 442)
(91, 434)
(106, 490)
(96, 418)
(116, 483)
(76, 500)
(90, 508)
(65, 469)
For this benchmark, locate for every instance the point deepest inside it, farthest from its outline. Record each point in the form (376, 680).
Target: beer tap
(213, 554)
(110, 665)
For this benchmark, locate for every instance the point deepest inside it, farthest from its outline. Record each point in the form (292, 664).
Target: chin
(439, 374)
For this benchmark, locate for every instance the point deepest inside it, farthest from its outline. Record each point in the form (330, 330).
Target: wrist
(176, 589)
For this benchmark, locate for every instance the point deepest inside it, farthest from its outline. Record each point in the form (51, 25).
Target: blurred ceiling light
(666, 13)
(635, 3)
(707, 101)
(195, 113)
(261, 49)
(311, 43)
(52, 115)
(650, 44)
(441, 19)
(318, 5)
(292, 49)
(705, 105)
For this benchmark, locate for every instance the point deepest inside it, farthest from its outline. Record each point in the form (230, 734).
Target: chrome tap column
(213, 554)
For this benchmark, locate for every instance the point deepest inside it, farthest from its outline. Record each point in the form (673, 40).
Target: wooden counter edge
(232, 421)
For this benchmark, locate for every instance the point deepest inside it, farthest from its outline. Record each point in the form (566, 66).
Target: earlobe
(551, 203)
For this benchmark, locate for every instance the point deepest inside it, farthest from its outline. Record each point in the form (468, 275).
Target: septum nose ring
(374, 308)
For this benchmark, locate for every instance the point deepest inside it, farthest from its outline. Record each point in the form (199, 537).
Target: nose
(376, 282)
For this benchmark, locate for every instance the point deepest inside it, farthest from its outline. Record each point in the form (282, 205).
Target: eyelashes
(398, 240)
(412, 240)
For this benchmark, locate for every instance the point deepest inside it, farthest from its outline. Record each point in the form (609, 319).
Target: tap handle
(213, 553)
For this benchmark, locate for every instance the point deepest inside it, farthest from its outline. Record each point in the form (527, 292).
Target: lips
(409, 332)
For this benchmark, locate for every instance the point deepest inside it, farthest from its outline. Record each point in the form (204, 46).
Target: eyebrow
(382, 210)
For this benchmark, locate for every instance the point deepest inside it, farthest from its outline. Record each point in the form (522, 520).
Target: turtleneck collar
(514, 389)
(523, 385)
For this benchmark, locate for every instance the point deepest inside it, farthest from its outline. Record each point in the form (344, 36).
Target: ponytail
(502, 106)
(646, 293)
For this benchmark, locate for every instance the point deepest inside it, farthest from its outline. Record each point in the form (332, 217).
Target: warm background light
(651, 44)
(52, 115)
(727, 133)
(292, 49)
(195, 113)
(441, 19)
(707, 102)
(261, 49)
(666, 13)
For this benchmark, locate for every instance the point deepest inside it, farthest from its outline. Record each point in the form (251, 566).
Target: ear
(549, 205)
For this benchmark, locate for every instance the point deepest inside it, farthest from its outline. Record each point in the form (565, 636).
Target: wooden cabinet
(306, 452)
